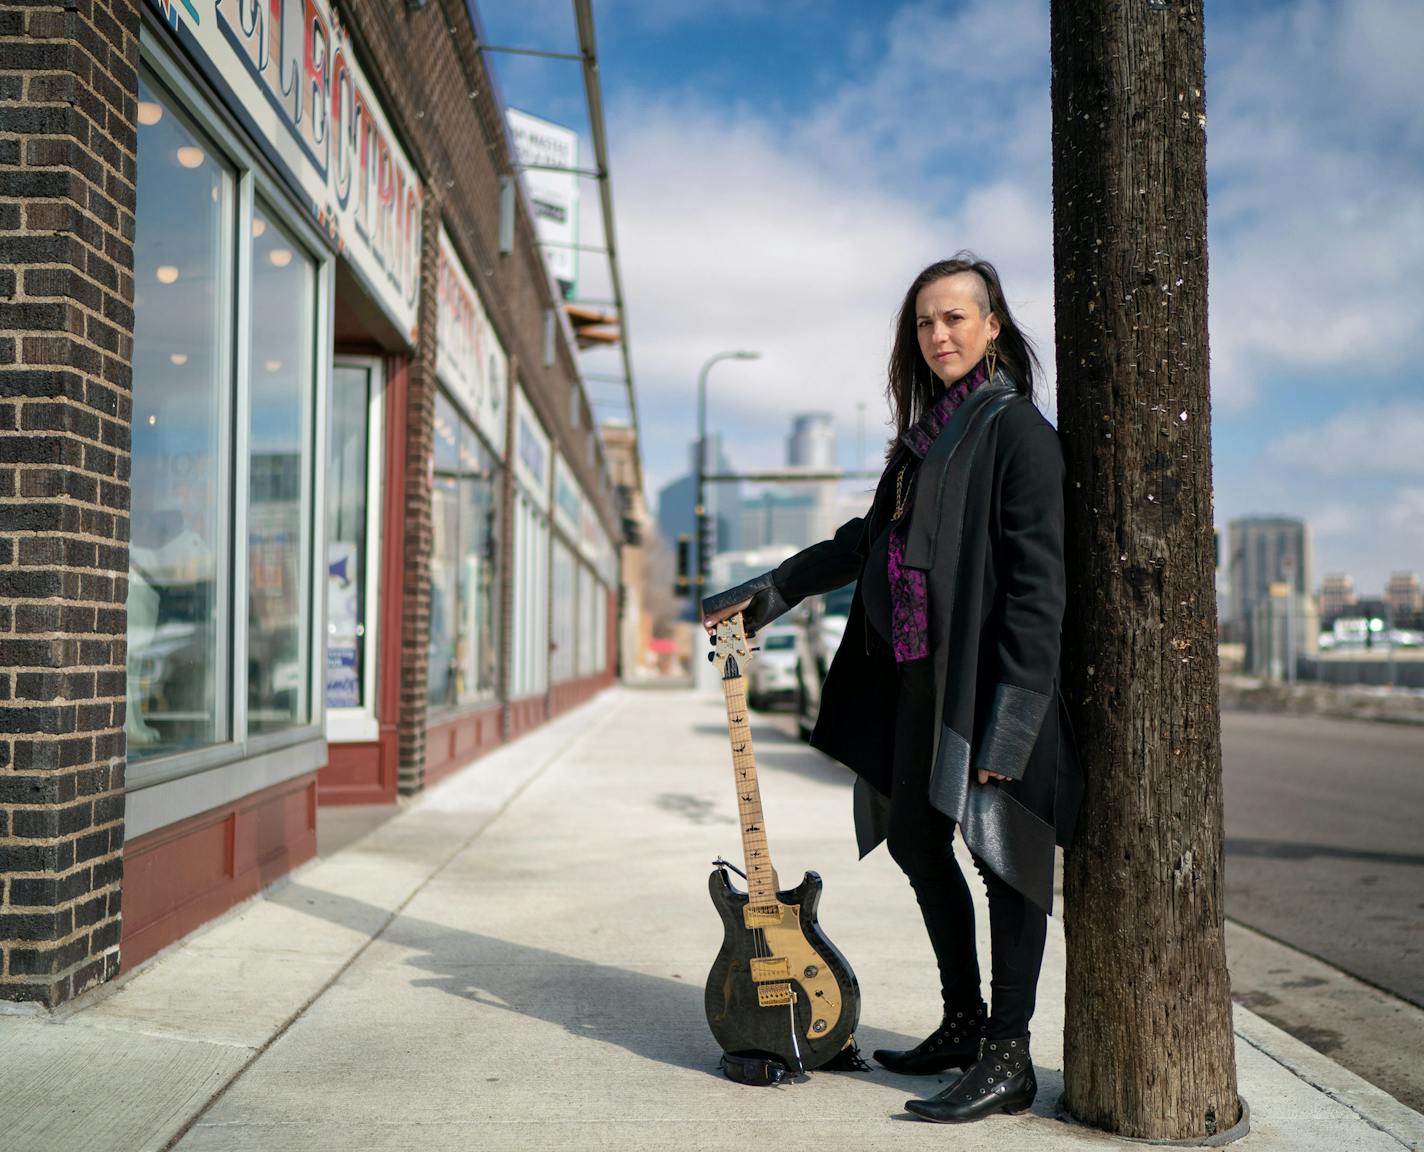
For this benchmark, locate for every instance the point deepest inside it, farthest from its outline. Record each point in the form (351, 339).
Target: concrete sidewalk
(516, 961)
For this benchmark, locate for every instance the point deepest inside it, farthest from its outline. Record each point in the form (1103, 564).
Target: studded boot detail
(954, 1044)
(1001, 1080)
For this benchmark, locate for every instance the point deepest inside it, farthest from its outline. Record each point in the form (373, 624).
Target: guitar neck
(761, 876)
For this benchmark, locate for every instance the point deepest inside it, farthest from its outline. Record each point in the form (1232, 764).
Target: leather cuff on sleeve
(1014, 720)
(767, 602)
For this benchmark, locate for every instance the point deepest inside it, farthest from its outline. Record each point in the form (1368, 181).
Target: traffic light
(684, 565)
(706, 544)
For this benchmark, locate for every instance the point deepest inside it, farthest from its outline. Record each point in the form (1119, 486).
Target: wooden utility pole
(1149, 1050)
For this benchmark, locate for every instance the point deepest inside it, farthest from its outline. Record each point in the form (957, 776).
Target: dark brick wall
(68, 92)
(418, 529)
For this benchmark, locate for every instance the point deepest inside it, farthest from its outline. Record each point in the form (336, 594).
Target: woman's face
(954, 324)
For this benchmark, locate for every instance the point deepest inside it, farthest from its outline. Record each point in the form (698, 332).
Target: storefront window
(479, 504)
(346, 575)
(531, 585)
(587, 608)
(445, 523)
(279, 438)
(565, 591)
(464, 511)
(178, 496)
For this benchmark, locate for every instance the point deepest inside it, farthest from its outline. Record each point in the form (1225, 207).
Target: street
(1323, 841)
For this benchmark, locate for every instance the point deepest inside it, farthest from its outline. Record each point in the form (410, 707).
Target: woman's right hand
(711, 622)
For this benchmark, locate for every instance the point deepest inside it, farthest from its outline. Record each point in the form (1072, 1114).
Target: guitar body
(751, 1015)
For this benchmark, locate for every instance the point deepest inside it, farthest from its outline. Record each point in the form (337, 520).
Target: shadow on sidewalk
(655, 1017)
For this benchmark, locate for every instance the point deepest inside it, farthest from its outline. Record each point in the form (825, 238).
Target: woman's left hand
(985, 775)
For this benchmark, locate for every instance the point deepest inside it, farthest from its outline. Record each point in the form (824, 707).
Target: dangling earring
(991, 356)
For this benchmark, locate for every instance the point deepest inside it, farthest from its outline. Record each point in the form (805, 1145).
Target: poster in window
(343, 624)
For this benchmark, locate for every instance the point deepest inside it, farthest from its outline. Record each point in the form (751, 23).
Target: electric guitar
(778, 986)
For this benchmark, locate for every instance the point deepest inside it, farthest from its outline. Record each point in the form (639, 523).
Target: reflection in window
(464, 512)
(346, 537)
(587, 611)
(561, 661)
(178, 500)
(279, 438)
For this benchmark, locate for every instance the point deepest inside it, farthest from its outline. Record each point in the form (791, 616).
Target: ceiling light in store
(178, 358)
(280, 257)
(166, 274)
(153, 419)
(190, 156)
(272, 365)
(149, 113)
(259, 226)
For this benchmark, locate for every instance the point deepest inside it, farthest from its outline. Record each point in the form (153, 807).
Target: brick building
(301, 500)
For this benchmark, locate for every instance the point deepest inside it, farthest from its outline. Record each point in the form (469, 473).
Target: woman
(943, 695)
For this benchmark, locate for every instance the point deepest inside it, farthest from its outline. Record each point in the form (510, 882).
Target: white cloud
(1317, 213)
(1376, 440)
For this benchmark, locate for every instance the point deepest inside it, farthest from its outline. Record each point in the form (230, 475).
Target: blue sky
(781, 170)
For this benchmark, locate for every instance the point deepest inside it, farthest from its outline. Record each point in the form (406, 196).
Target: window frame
(188, 99)
(363, 724)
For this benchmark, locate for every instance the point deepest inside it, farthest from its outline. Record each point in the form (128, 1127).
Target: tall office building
(812, 443)
(1337, 596)
(1262, 551)
(1404, 596)
(677, 501)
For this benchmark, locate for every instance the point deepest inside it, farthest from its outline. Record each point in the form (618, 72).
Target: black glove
(766, 605)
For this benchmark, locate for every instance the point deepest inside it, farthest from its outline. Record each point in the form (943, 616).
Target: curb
(1374, 1106)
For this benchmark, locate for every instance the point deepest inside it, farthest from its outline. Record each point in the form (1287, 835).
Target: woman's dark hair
(912, 387)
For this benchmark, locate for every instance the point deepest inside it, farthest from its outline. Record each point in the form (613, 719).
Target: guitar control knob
(818, 1026)
(811, 972)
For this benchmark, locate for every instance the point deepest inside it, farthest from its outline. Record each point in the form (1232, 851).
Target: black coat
(986, 524)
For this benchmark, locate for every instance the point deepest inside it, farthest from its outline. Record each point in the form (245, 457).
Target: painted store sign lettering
(287, 68)
(469, 358)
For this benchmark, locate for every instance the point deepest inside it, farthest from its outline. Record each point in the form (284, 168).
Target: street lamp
(704, 535)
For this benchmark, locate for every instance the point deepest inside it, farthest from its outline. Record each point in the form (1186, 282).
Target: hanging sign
(286, 68)
(554, 193)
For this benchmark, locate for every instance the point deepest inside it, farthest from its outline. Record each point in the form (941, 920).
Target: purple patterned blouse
(909, 602)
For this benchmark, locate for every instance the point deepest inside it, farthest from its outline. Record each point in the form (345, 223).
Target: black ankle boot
(1001, 1080)
(954, 1044)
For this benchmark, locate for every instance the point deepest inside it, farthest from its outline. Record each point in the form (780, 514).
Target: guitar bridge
(770, 968)
(774, 995)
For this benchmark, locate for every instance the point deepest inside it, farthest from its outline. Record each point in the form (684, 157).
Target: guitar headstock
(729, 646)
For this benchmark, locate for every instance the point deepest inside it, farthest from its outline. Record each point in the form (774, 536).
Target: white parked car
(772, 678)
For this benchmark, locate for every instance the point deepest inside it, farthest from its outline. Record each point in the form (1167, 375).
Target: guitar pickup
(773, 995)
(761, 915)
(770, 968)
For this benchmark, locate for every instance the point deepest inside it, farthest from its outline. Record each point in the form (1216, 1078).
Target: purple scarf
(909, 603)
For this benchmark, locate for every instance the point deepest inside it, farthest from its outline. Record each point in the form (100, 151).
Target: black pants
(921, 840)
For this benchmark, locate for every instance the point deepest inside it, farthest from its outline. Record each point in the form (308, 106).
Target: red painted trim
(572, 693)
(526, 713)
(177, 878)
(368, 773)
(451, 743)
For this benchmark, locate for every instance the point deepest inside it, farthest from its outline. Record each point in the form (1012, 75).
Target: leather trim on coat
(767, 602)
(1015, 717)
